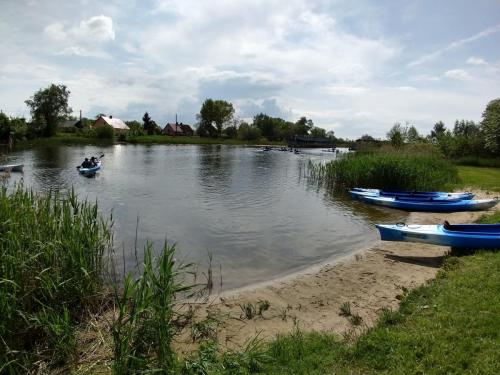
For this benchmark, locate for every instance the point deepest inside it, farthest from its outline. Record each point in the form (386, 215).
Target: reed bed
(385, 171)
(145, 324)
(51, 275)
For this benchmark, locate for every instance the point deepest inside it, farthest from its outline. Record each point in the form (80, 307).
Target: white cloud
(458, 74)
(84, 39)
(476, 61)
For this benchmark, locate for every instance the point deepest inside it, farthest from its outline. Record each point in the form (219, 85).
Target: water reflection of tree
(215, 168)
(49, 167)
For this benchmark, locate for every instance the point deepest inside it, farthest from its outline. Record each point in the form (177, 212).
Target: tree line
(49, 108)
(466, 138)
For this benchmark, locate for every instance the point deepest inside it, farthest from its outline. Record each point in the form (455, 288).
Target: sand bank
(370, 280)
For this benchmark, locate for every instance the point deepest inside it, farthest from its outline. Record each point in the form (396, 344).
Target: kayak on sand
(431, 204)
(356, 192)
(477, 236)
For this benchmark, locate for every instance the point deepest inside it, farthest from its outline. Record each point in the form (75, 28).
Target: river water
(253, 211)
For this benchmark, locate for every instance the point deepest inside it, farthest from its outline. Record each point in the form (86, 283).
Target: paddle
(100, 157)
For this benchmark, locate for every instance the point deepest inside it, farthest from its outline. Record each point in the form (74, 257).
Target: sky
(354, 67)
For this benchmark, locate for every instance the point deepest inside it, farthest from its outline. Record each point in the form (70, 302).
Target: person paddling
(93, 161)
(86, 163)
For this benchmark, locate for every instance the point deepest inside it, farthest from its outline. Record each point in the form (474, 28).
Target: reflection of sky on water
(251, 209)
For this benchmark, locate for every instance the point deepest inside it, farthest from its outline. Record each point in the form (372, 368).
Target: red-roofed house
(178, 129)
(115, 123)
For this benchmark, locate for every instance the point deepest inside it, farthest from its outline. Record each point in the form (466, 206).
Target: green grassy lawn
(451, 326)
(480, 177)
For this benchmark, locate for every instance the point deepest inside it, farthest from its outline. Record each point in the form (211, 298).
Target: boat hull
(481, 237)
(87, 171)
(356, 192)
(12, 167)
(436, 205)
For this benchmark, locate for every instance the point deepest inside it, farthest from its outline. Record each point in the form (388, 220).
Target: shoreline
(370, 279)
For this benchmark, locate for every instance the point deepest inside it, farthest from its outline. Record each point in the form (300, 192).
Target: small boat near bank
(356, 192)
(11, 168)
(430, 204)
(476, 236)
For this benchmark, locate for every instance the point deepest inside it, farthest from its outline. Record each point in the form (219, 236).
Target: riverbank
(317, 307)
(76, 139)
(369, 281)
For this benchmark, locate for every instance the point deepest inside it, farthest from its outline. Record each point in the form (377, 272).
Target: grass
(51, 268)
(478, 177)
(386, 170)
(475, 161)
(144, 328)
(77, 139)
(449, 326)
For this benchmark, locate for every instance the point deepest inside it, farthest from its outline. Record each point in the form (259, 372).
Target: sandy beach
(370, 280)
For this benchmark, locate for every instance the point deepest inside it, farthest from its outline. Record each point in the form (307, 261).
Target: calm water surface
(253, 210)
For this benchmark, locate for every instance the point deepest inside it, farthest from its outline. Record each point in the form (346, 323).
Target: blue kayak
(476, 236)
(431, 204)
(356, 192)
(91, 170)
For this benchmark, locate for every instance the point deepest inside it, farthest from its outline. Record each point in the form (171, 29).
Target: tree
(135, 128)
(412, 135)
(318, 132)
(248, 132)
(367, 138)
(303, 126)
(148, 124)
(397, 135)
(438, 130)
(218, 112)
(491, 126)
(50, 106)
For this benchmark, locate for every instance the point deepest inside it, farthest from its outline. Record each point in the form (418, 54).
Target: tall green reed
(51, 267)
(385, 170)
(144, 327)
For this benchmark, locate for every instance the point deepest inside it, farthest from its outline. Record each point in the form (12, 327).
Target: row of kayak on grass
(474, 236)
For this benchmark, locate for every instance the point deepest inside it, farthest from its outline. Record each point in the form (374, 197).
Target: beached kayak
(477, 236)
(356, 192)
(92, 170)
(431, 204)
(12, 167)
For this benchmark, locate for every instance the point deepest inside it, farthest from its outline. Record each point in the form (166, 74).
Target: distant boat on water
(11, 168)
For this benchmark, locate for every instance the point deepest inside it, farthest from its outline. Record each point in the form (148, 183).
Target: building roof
(178, 128)
(69, 123)
(116, 123)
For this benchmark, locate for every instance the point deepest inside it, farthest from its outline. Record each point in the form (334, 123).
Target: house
(70, 124)
(177, 129)
(115, 123)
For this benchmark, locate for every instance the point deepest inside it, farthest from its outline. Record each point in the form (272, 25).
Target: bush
(104, 132)
(248, 133)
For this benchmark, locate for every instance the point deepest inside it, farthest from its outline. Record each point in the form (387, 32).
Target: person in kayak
(93, 161)
(86, 163)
